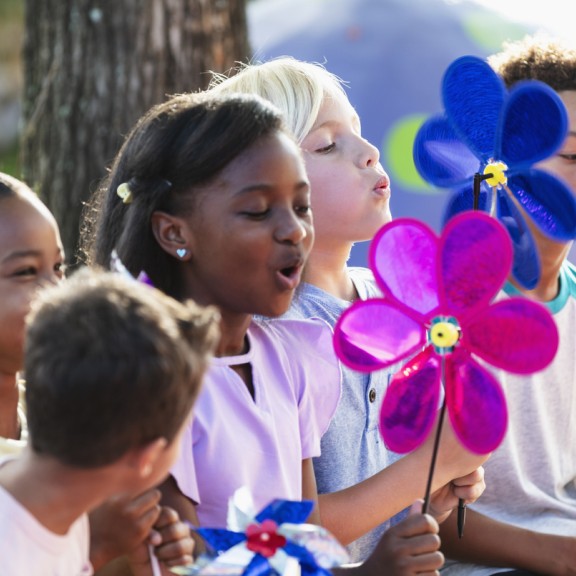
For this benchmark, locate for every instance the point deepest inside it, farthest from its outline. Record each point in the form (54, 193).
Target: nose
(368, 154)
(292, 229)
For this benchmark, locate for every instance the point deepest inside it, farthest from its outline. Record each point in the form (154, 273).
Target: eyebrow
(25, 254)
(265, 187)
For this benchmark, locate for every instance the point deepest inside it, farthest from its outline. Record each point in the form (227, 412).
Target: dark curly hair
(537, 58)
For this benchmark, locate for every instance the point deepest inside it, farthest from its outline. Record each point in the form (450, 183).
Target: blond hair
(297, 88)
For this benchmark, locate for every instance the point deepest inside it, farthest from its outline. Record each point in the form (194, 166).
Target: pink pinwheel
(437, 311)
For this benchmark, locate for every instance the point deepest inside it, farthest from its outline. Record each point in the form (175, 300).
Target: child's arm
(354, 511)
(184, 507)
(410, 547)
(310, 491)
(494, 543)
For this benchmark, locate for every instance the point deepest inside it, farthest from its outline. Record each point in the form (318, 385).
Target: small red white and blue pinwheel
(437, 311)
(276, 541)
(500, 135)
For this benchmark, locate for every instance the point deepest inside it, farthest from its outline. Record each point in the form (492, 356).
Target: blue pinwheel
(499, 136)
(273, 542)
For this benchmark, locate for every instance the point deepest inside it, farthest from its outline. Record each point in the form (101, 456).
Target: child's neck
(56, 495)
(233, 328)
(9, 423)
(552, 255)
(327, 270)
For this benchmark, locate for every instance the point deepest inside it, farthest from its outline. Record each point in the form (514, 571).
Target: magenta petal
(403, 258)
(515, 334)
(475, 402)
(409, 407)
(372, 334)
(475, 260)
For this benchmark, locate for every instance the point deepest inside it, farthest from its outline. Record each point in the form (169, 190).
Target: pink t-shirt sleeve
(317, 378)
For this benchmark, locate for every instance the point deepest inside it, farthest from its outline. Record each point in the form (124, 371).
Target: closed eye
(29, 271)
(259, 215)
(569, 157)
(325, 149)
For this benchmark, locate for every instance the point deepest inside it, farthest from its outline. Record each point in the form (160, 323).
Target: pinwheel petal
(324, 548)
(526, 264)
(258, 566)
(475, 402)
(521, 143)
(403, 257)
(281, 511)
(515, 334)
(410, 404)
(548, 201)
(221, 539)
(462, 200)
(440, 156)
(373, 334)
(475, 259)
(305, 559)
(473, 95)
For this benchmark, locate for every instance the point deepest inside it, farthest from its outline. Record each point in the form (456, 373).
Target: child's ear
(145, 458)
(172, 234)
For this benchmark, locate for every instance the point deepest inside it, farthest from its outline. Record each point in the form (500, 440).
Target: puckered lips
(289, 271)
(382, 187)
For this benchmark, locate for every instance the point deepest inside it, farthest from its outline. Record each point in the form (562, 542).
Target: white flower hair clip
(124, 192)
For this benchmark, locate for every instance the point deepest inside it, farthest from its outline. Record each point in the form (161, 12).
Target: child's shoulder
(288, 326)
(301, 342)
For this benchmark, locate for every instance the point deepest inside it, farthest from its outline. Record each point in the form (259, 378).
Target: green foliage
(9, 161)
(11, 10)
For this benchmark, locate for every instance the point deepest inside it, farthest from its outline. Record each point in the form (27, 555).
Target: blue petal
(258, 566)
(548, 201)
(533, 125)
(526, 265)
(473, 95)
(440, 156)
(221, 539)
(308, 564)
(463, 199)
(286, 511)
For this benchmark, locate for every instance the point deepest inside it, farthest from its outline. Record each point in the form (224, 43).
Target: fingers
(415, 524)
(416, 507)
(470, 487)
(176, 544)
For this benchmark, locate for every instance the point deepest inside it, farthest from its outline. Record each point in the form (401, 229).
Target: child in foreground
(209, 197)
(112, 370)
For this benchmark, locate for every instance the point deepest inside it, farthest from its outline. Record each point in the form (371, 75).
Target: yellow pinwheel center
(444, 334)
(498, 171)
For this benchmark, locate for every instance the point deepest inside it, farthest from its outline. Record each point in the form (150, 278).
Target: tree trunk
(92, 67)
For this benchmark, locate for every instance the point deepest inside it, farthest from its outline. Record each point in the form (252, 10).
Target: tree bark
(92, 67)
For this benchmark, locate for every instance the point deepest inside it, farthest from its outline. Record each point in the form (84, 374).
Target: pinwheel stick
(461, 504)
(478, 178)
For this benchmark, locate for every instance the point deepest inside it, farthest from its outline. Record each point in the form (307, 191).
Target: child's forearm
(354, 511)
(489, 542)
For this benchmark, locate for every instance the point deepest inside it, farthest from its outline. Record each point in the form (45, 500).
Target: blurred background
(391, 53)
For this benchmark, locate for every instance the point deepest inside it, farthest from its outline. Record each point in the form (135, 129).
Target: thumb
(416, 507)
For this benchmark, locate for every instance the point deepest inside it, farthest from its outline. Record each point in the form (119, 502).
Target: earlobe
(148, 456)
(171, 233)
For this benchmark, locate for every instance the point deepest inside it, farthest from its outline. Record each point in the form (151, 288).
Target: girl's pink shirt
(235, 440)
